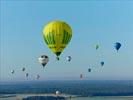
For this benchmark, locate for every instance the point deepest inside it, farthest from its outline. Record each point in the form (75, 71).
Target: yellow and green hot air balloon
(57, 35)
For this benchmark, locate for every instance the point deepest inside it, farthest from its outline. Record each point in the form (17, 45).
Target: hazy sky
(103, 22)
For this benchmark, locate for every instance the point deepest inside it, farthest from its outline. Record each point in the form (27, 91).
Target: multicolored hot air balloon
(57, 35)
(117, 46)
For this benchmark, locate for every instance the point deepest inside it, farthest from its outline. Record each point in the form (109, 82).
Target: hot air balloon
(96, 46)
(69, 58)
(43, 60)
(57, 35)
(38, 76)
(23, 69)
(117, 46)
(81, 76)
(102, 63)
(27, 74)
(12, 71)
(57, 93)
(89, 70)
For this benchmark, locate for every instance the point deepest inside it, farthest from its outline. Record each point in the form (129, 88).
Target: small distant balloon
(102, 63)
(43, 60)
(89, 70)
(117, 46)
(38, 76)
(96, 46)
(69, 58)
(12, 71)
(23, 69)
(57, 92)
(27, 74)
(81, 76)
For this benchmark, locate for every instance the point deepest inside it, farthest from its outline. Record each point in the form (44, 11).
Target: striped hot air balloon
(57, 35)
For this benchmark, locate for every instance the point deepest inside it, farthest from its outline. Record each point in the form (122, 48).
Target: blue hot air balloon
(117, 46)
(102, 63)
(89, 70)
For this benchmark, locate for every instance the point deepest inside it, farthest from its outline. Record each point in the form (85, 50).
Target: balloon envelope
(57, 92)
(69, 58)
(117, 46)
(89, 70)
(27, 74)
(102, 63)
(81, 76)
(38, 76)
(12, 71)
(57, 35)
(96, 46)
(43, 60)
(23, 69)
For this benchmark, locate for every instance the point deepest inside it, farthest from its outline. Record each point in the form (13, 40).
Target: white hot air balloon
(43, 60)
(57, 93)
(12, 71)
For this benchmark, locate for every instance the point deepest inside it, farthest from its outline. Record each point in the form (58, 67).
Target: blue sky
(103, 22)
